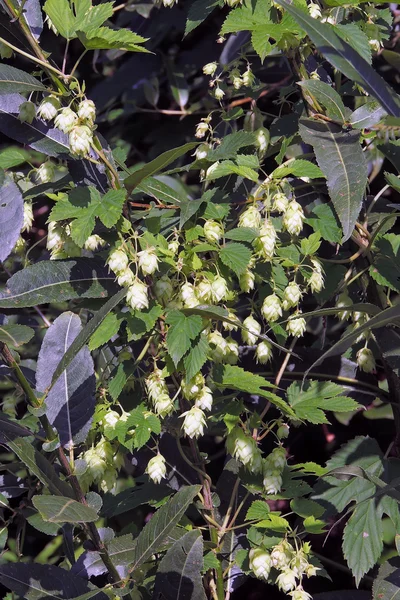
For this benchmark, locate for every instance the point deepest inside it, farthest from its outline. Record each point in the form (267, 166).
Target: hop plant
(163, 405)
(193, 387)
(263, 352)
(282, 555)
(247, 281)
(137, 297)
(250, 218)
(202, 151)
(27, 112)
(48, 108)
(366, 360)
(314, 10)
(293, 218)
(155, 384)
(280, 202)
(262, 139)
(204, 399)
(87, 111)
(296, 326)
(343, 301)
(316, 281)
(219, 289)
(169, 3)
(163, 289)
(80, 140)
(156, 468)
(300, 594)
(291, 295)
(148, 261)
(126, 278)
(286, 581)
(265, 244)
(213, 231)
(210, 68)
(194, 422)
(218, 347)
(283, 431)
(118, 261)
(66, 120)
(232, 353)
(28, 216)
(252, 331)
(189, 295)
(45, 173)
(260, 563)
(242, 446)
(201, 129)
(271, 308)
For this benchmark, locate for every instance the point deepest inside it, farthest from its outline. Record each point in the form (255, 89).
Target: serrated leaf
(325, 224)
(198, 12)
(14, 80)
(260, 42)
(71, 400)
(310, 402)
(163, 521)
(325, 95)
(57, 509)
(231, 144)
(196, 357)
(144, 423)
(236, 378)
(257, 511)
(140, 322)
(306, 508)
(42, 582)
(235, 256)
(156, 165)
(299, 168)
(40, 524)
(341, 159)
(356, 38)
(94, 17)
(105, 38)
(387, 583)
(179, 573)
(15, 335)
(106, 330)
(57, 281)
(393, 180)
(13, 157)
(385, 269)
(344, 58)
(11, 217)
(247, 17)
(228, 167)
(182, 330)
(110, 207)
(62, 17)
(367, 115)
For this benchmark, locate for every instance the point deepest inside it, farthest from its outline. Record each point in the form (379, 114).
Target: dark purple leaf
(11, 217)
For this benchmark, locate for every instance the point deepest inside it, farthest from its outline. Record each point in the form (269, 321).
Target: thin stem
(35, 59)
(65, 56)
(76, 65)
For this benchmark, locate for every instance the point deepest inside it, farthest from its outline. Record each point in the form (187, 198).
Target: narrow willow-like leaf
(341, 159)
(44, 582)
(32, 13)
(156, 165)
(14, 80)
(11, 217)
(10, 430)
(57, 281)
(38, 465)
(86, 333)
(161, 523)
(70, 401)
(179, 573)
(327, 97)
(16, 335)
(344, 58)
(57, 509)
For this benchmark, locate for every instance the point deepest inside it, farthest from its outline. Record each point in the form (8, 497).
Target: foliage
(200, 257)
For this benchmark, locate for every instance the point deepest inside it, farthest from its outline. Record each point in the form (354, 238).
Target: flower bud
(236, 79)
(95, 462)
(110, 419)
(148, 261)
(155, 384)
(213, 231)
(202, 151)
(27, 112)
(219, 289)
(118, 261)
(204, 291)
(201, 129)
(271, 308)
(260, 563)
(193, 387)
(263, 353)
(315, 11)
(54, 236)
(272, 482)
(250, 218)
(283, 431)
(253, 329)
(243, 447)
(248, 77)
(163, 405)
(375, 45)
(316, 281)
(94, 242)
(231, 326)
(265, 244)
(343, 301)
(189, 296)
(87, 111)
(300, 594)
(137, 297)
(80, 140)
(293, 218)
(65, 120)
(262, 140)
(218, 347)
(173, 246)
(296, 326)
(45, 173)
(366, 360)
(291, 295)
(5, 51)
(194, 422)
(48, 108)
(232, 353)
(204, 399)
(219, 93)
(210, 68)
(28, 216)
(211, 169)
(163, 289)
(281, 555)
(280, 202)
(247, 281)
(286, 581)
(126, 278)
(169, 3)
(156, 468)
(277, 458)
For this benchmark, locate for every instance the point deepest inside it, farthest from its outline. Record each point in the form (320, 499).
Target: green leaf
(367, 115)
(393, 180)
(228, 167)
(110, 207)
(15, 335)
(13, 157)
(231, 144)
(306, 508)
(14, 80)
(341, 159)
(39, 466)
(236, 378)
(62, 17)
(310, 245)
(344, 58)
(325, 95)
(140, 322)
(386, 585)
(247, 17)
(182, 330)
(385, 268)
(144, 423)
(299, 168)
(161, 523)
(94, 17)
(198, 12)
(310, 402)
(196, 357)
(362, 539)
(356, 38)
(258, 511)
(106, 330)
(156, 165)
(105, 38)
(87, 332)
(242, 234)
(179, 572)
(159, 190)
(57, 281)
(325, 224)
(260, 41)
(235, 256)
(58, 509)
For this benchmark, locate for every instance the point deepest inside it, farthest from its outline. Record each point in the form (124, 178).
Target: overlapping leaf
(11, 217)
